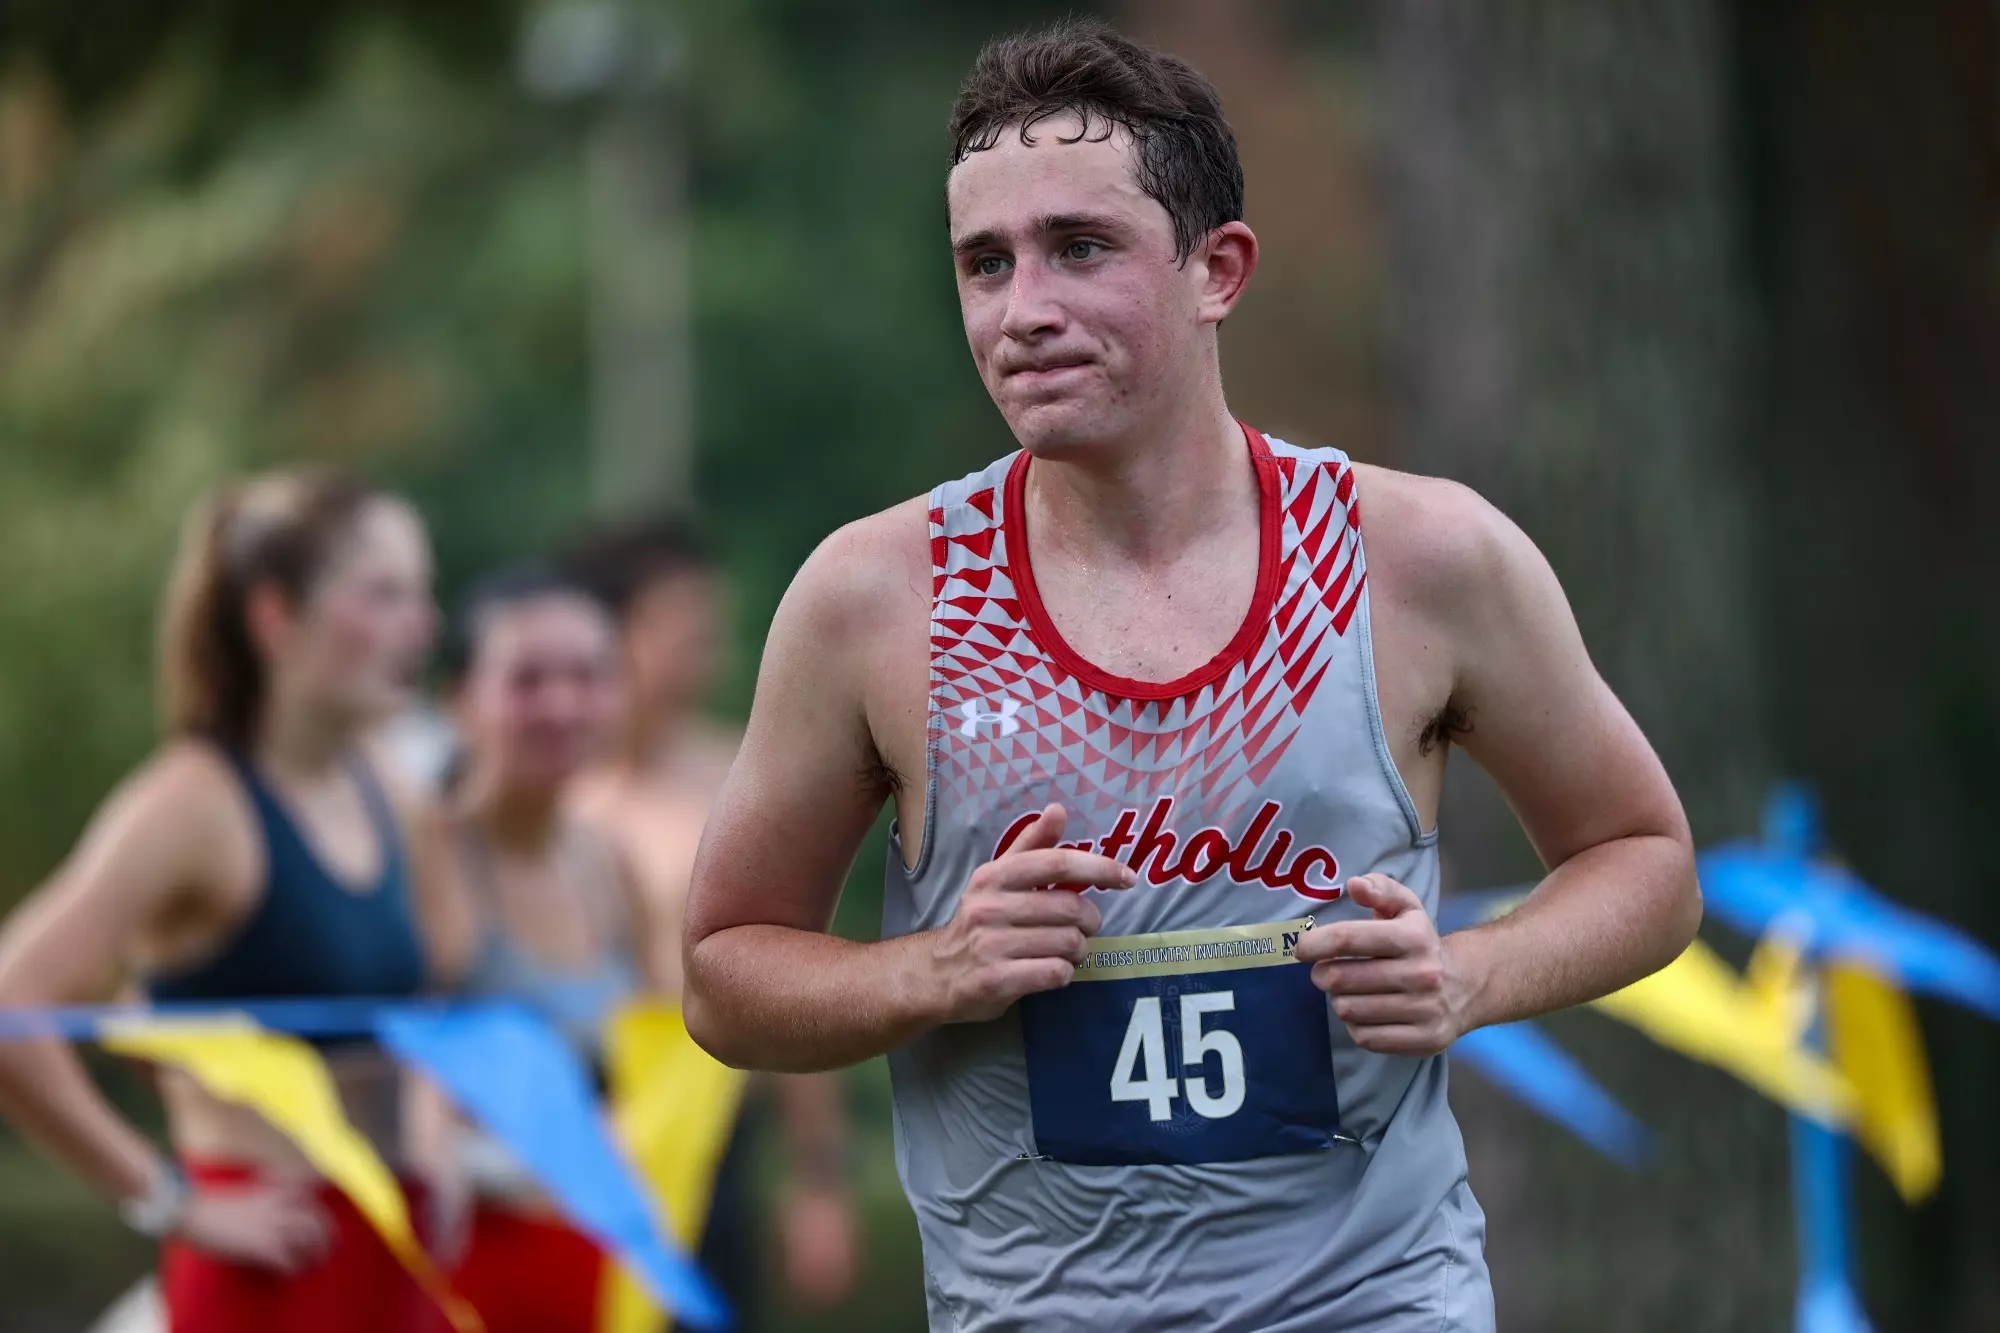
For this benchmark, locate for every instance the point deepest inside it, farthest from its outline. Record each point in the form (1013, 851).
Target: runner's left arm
(1620, 899)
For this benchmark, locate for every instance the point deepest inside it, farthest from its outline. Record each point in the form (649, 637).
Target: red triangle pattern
(1217, 745)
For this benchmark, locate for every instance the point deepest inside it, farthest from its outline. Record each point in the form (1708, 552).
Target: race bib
(1187, 1047)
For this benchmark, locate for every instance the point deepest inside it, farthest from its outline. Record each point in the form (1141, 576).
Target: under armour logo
(1004, 718)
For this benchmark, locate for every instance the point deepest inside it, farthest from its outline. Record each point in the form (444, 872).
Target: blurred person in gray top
(652, 796)
(527, 903)
(1164, 1003)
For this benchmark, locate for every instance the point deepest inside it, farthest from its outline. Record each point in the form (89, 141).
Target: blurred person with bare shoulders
(256, 855)
(653, 795)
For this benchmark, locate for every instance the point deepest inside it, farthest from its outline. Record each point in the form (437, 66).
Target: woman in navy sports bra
(253, 856)
(534, 906)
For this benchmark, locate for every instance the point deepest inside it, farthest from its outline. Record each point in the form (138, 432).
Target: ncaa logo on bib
(1002, 719)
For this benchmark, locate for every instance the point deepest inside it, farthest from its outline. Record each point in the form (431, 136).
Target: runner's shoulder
(863, 576)
(1437, 543)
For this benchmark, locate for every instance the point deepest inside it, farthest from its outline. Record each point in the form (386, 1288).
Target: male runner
(1145, 659)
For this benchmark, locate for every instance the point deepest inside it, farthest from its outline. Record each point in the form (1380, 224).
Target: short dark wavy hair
(1186, 150)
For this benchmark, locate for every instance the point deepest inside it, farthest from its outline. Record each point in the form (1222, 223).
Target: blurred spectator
(531, 905)
(653, 796)
(255, 855)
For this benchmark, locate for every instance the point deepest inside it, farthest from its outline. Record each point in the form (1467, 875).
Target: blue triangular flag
(1521, 1059)
(508, 1070)
(1751, 888)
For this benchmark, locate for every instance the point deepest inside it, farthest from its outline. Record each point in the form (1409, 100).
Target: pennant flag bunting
(1521, 1059)
(1698, 1006)
(510, 1072)
(674, 1108)
(1872, 1033)
(285, 1081)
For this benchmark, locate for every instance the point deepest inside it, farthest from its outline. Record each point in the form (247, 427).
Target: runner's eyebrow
(1053, 223)
(978, 240)
(1049, 224)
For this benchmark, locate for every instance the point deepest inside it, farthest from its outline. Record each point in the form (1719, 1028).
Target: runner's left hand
(1389, 976)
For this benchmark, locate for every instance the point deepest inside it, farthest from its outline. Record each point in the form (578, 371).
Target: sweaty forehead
(1008, 187)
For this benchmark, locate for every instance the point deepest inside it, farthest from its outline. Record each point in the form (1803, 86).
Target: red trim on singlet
(1021, 570)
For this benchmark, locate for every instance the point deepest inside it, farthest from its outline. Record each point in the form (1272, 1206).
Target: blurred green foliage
(383, 273)
(377, 259)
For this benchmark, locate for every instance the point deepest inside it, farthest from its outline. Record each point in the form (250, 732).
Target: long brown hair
(277, 528)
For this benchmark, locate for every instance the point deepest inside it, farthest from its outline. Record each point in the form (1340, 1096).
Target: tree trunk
(1873, 207)
(1570, 341)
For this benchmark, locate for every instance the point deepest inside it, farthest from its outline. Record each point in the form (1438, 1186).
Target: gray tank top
(1184, 1137)
(576, 1001)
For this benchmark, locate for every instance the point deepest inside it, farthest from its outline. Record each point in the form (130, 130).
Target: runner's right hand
(1012, 935)
(266, 1226)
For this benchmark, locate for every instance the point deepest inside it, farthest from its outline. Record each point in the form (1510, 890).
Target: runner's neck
(1143, 505)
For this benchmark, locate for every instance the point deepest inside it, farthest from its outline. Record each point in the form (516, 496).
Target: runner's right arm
(768, 987)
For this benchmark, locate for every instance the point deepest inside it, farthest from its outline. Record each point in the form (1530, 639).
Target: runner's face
(357, 648)
(1082, 324)
(542, 692)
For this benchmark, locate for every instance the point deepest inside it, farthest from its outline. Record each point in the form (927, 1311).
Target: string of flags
(1820, 1021)
(637, 1184)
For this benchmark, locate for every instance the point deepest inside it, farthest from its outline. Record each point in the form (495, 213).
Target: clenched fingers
(1033, 909)
(1385, 897)
(1399, 1039)
(1056, 865)
(1364, 1011)
(1369, 976)
(1358, 939)
(1031, 975)
(1069, 944)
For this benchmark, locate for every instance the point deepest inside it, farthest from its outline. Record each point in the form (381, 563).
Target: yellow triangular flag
(673, 1106)
(1696, 1005)
(1778, 983)
(1872, 1032)
(284, 1080)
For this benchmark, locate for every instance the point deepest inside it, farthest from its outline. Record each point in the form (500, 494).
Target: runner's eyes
(1075, 252)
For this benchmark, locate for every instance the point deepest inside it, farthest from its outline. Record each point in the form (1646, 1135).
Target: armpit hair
(1443, 727)
(879, 777)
